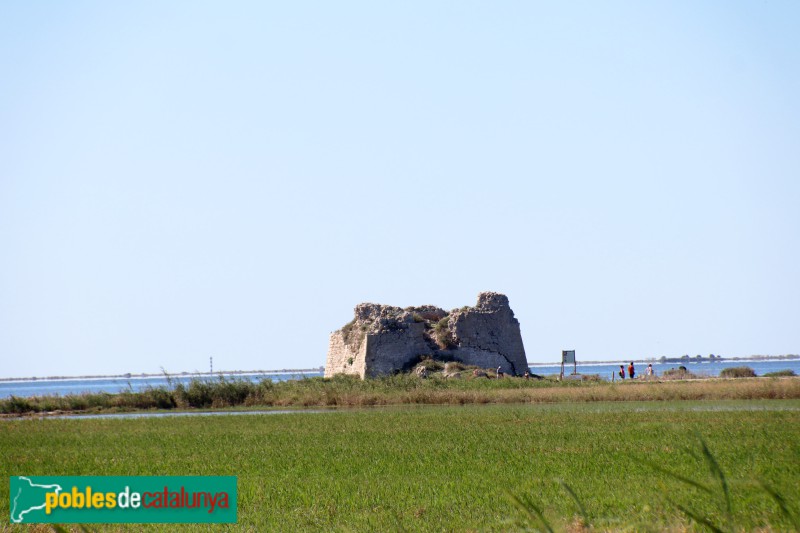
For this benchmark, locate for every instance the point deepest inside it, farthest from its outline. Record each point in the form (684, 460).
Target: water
(62, 387)
(706, 368)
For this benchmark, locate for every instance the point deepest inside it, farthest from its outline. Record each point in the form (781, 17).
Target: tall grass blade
(530, 509)
(781, 501)
(571, 492)
(717, 471)
(167, 377)
(699, 519)
(724, 504)
(693, 483)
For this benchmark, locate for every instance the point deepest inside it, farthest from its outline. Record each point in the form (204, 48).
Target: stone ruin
(382, 339)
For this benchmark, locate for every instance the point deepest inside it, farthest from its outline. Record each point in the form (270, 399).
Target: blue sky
(193, 179)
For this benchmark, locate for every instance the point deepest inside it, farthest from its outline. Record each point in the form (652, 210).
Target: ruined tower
(382, 339)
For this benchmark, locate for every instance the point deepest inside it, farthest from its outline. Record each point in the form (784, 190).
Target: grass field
(447, 468)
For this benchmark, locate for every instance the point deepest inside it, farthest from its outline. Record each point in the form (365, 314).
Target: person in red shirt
(631, 370)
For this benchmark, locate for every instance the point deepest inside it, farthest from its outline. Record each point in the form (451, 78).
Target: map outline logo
(21, 514)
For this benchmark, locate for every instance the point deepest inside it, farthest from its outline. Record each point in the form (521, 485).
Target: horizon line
(129, 375)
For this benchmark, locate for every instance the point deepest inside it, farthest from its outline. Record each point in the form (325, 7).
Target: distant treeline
(712, 358)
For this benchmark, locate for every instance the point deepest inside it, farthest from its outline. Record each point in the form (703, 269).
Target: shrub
(353, 336)
(738, 372)
(443, 336)
(431, 365)
(678, 373)
(347, 328)
(780, 374)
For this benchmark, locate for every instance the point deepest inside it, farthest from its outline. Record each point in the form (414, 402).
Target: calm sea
(41, 387)
(62, 387)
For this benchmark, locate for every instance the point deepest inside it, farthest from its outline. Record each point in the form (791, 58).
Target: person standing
(621, 372)
(631, 370)
(649, 371)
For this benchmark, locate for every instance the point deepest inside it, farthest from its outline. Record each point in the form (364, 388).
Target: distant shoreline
(681, 360)
(170, 374)
(669, 360)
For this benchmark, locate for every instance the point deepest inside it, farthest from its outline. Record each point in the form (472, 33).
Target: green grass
(451, 468)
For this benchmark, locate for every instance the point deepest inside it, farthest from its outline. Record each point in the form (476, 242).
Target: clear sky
(181, 180)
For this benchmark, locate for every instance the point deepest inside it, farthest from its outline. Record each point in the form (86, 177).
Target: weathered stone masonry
(382, 339)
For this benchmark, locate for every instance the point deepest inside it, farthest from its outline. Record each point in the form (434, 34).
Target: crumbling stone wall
(383, 339)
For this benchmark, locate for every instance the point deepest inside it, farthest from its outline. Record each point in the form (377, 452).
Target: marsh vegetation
(349, 391)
